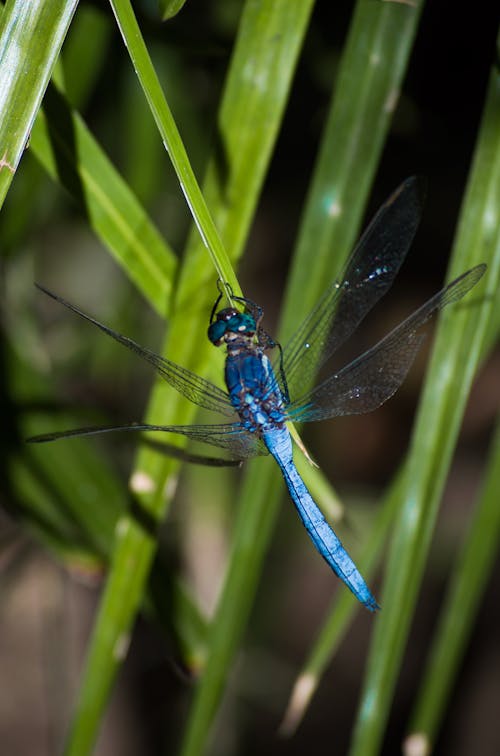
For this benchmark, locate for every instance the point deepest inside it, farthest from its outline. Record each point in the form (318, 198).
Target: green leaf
(67, 150)
(30, 40)
(470, 574)
(170, 8)
(460, 345)
(172, 139)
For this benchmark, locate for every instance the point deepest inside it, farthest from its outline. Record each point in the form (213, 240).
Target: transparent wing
(175, 452)
(232, 437)
(367, 276)
(196, 389)
(368, 381)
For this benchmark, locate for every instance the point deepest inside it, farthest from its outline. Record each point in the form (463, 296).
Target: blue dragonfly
(264, 394)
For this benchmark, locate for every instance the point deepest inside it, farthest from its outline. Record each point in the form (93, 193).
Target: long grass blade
(459, 347)
(63, 144)
(149, 81)
(470, 574)
(30, 40)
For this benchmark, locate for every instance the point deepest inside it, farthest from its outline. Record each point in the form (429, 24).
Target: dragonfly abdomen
(279, 443)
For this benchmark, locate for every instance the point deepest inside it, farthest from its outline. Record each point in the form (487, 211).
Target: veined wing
(232, 437)
(368, 381)
(367, 276)
(192, 386)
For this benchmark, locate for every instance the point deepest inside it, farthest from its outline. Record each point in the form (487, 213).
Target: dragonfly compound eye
(230, 321)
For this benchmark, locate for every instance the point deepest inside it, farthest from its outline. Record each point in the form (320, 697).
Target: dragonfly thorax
(231, 324)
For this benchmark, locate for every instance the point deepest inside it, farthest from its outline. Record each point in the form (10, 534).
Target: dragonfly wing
(367, 276)
(198, 390)
(368, 381)
(232, 437)
(175, 452)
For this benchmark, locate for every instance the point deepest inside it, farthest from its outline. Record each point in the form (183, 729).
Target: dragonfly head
(229, 324)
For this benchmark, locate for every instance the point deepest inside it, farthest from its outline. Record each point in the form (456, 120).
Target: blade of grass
(30, 40)
(377, 29)
(459, 347)
(28, 198)
(468, 584)
(148, 79)
(64, 146)
(255, 94)
(170, 8)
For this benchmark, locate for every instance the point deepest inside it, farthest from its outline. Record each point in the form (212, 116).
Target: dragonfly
(269, 386)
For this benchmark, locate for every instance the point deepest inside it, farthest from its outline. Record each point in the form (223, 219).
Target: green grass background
(149, 608)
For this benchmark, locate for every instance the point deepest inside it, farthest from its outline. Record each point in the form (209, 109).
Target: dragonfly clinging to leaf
(263, 394)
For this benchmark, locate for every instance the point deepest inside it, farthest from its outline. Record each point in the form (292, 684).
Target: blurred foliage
(285, 111)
